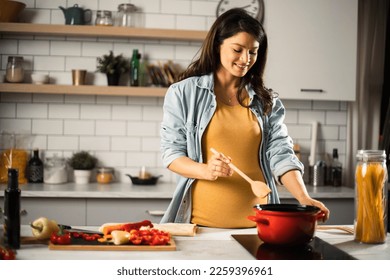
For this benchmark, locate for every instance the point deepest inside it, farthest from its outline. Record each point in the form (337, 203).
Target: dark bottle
(35, 168)
(12, 211)
(134, 69)
(336, 170)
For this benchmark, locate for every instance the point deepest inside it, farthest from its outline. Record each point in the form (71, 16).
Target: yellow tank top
(226, 202)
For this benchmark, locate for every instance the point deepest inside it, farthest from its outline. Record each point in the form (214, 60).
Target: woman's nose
(245, 57)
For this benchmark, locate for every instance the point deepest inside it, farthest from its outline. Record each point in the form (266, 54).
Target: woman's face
(238, 54)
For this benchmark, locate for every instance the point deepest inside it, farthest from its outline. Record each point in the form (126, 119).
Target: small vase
(82, 177)
(113, 79)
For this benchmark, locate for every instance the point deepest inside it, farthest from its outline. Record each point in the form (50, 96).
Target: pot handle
(258, 220)
(320, 215)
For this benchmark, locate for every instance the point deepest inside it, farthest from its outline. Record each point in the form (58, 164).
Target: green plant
(82, 161)
(110, 64)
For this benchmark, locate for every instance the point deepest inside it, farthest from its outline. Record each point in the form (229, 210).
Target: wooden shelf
(84, 90)
(101, 31)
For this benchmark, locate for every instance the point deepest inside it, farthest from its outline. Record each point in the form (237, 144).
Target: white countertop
(209, 243)
(159, 191)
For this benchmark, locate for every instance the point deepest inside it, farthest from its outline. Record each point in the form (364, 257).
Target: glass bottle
(104, 18)
(14, 72)
(125, 15)
(371, 196)
(134, 68)
(336, 170)
(35, 168)
(12, 210)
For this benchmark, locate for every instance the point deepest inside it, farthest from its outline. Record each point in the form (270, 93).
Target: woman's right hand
(218, 166)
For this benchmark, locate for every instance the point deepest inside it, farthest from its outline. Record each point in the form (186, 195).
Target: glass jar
(125, 15)
(105, 175)
(371, 196)
(55, 170)
(104, 18)
(14, 72)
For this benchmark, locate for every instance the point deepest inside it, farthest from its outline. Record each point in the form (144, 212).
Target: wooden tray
(92, 246)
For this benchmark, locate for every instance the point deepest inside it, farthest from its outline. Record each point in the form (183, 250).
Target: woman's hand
(319, 204)
(218, 166)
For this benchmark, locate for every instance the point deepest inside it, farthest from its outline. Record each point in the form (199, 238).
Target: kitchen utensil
(319, 171)
(76, 15)
(343, 228)
(144, 181)
(10, 10)
(286, 224)
(72, 229)
(259, 188)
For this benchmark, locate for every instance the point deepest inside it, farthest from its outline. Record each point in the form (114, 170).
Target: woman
(220, 102)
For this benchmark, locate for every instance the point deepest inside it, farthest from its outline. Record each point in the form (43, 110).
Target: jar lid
(104, 12)
(126, 7)
(370, 155)
(105, 170)
(14, 58)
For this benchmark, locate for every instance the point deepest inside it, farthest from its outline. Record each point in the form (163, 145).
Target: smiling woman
(222, 93)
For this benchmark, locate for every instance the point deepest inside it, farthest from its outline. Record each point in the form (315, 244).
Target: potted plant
(113, 66)
(82, 163)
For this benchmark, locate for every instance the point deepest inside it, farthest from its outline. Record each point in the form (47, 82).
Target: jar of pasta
(105, 175)
(371, 196)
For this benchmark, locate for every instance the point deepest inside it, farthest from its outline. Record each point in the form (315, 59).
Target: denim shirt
(189, 106)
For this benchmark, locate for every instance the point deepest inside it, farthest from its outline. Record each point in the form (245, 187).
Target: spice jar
(371, 196)
(14, 72)
(125, 14)
(104, 17)
(105, 175)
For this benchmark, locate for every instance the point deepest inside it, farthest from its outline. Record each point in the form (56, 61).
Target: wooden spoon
(260, 189)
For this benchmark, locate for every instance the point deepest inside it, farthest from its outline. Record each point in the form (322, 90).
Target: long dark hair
(227, 25)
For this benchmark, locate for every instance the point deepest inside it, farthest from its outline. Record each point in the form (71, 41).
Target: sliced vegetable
(120, 237)
(125, 227)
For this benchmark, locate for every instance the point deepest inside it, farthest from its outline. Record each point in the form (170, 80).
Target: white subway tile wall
(123, 132)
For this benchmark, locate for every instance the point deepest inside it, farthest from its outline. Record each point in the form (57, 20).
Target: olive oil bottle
(12, 210)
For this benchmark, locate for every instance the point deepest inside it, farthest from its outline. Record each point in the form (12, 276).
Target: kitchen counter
(160, 190)
(208, 244)
(94, 203)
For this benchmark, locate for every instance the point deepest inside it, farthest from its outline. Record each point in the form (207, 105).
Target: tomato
(7, 254)
(60, 239)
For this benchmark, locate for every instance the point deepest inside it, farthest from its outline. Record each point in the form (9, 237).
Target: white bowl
(39, 78)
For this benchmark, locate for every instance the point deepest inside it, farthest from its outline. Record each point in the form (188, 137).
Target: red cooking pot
(286, 224)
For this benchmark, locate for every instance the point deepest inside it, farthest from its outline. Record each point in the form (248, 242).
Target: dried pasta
(371, 202)
(13, 158)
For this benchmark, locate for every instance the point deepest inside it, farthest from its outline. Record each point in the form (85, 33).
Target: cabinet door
(312, 48)
(100, 211)
(65, 211)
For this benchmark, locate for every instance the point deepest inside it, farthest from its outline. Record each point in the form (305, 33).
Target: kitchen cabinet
(91, 211)
(100, 211)
(312, 48)
(94, 31)
(71, 211)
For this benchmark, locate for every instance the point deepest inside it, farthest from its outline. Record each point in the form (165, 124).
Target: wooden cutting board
(97, 246)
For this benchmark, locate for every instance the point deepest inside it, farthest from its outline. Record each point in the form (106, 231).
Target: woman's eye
(237, 51)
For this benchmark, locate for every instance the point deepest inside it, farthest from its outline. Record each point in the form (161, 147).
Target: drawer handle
(312, 90)
(155, 212)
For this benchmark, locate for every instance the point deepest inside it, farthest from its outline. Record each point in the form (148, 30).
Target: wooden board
(111, 247)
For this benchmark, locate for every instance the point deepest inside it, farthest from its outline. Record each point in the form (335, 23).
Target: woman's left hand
(319, 204)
